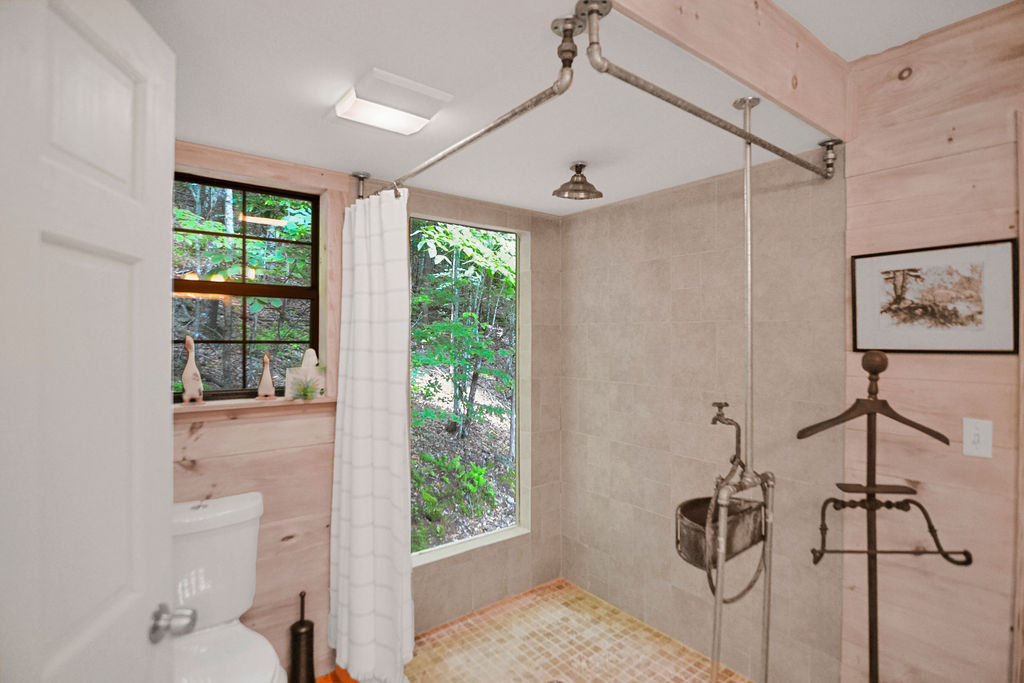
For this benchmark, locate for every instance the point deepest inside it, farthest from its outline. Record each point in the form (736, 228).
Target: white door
(86, 163)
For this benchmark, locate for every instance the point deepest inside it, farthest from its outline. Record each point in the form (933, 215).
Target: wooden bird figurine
(266, 388)
(191, 380)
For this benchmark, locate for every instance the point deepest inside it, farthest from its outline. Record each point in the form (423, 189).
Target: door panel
(85, 431)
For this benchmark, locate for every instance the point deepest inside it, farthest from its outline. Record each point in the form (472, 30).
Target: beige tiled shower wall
(452, 587)
(652, 333)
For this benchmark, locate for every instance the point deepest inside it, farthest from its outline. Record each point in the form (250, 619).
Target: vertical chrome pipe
(716, 630)
(361, 177)
(746, 104)
(766, 612)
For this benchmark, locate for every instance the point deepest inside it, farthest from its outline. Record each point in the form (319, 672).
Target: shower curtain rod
(595, 9)
(587, 15)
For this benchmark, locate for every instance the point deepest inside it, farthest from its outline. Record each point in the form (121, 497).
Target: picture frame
(961, 298)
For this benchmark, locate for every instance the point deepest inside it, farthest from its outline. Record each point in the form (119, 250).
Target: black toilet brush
(301, 670)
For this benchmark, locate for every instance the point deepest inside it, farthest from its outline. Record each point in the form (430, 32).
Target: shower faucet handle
(720, 418)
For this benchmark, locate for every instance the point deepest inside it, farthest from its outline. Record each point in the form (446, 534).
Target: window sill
(443, 552)
(240, 407)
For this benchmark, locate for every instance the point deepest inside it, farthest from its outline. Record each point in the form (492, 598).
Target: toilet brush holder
(301, 670)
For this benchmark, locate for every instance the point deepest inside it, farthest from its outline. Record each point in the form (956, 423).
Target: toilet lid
(229, 653)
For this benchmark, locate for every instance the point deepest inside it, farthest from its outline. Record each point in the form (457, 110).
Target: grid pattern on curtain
(371, 620)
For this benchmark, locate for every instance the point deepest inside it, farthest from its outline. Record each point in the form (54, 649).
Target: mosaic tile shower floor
(555, 632)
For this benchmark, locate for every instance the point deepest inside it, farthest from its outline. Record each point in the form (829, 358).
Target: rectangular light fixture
(385, 100)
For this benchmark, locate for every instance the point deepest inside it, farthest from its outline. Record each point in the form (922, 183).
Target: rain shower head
(578, 187)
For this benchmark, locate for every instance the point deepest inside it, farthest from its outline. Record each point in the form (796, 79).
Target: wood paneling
(288, 458)
(190, 157)
(934, 161)
(974, 181)
(977, 60)
(203, 438)
(942, 134)
(759, 45)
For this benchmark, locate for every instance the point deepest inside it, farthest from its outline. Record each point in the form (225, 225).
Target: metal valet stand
(746, 522)
(875, 362)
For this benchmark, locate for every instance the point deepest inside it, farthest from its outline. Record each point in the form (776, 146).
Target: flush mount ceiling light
(578, 187)
(385, 100)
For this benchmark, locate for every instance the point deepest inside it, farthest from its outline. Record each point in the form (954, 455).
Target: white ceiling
(261, 76)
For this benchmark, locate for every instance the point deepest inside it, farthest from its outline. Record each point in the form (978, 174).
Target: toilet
(215, 574)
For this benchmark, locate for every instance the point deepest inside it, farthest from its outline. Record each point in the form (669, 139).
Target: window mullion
(245, 299)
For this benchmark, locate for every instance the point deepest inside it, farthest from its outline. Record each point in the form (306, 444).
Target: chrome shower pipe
(746, 104)
(557, 88)
(766, 482)
(725, 495)
(766, 610)
(602, 64)
(566, 52)
(720, 554)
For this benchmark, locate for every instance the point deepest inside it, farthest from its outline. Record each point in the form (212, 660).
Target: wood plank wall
(1018, 578)
(285, 452)
(933, 161)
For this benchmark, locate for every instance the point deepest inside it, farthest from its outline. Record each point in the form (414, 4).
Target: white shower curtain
(371, 619)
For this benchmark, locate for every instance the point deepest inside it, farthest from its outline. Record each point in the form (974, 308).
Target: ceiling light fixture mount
(578, 187)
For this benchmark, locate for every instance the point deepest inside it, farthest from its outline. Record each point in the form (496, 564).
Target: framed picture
(956, 299)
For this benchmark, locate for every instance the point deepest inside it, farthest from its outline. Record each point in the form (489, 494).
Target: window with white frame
(465, 467)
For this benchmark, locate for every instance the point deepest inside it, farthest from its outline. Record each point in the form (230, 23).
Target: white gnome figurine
(191, 380)
(266, 388)
(309, 359)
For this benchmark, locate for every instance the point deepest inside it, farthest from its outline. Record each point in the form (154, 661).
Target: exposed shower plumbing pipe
(593, 10)
(568, 28)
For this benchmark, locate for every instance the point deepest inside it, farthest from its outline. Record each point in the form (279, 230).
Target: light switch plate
(977, 437)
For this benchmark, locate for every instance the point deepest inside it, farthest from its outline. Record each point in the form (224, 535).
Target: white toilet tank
(215, 556)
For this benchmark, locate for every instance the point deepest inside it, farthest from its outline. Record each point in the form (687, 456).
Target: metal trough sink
(745, 529)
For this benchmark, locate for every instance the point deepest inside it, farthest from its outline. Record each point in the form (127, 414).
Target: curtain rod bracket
(361, 176)
(830, 156)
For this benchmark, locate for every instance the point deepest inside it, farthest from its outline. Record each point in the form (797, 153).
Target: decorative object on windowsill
(266, 387)
(874, 363)
(306, 382)
(301, 669)
(956, 299)
(191, 380)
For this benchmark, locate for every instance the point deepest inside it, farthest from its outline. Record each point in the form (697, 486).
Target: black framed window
(245, 273)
